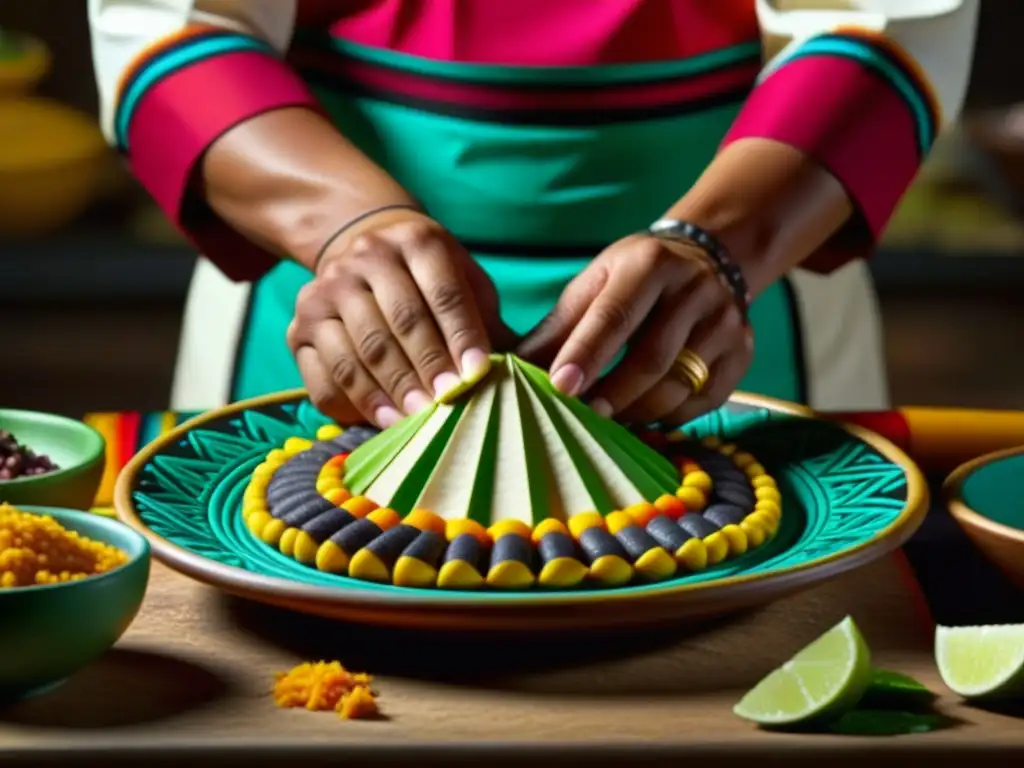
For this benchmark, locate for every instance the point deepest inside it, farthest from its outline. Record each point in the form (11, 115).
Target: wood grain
(194, 671)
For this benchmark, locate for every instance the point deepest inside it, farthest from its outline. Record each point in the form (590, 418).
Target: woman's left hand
(655, 298)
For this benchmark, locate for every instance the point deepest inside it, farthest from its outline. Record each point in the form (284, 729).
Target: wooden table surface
(191, 679)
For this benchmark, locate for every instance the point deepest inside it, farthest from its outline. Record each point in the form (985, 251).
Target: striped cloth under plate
(126, 432)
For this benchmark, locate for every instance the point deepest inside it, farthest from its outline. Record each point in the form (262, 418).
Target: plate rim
(964, 513)
(277, 590)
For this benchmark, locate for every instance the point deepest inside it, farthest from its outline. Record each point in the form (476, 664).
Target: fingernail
(445, 383)
(475, 362)
(416, 401)
(601, 406)
(386, 416)
(568, 379)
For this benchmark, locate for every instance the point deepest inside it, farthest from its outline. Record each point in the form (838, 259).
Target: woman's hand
(656, 298)
(397, 315)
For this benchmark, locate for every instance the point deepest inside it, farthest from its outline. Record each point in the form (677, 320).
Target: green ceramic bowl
(49, 632)
(984, 497)
(78, 449)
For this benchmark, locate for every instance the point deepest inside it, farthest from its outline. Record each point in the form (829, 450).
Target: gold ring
(690, 367)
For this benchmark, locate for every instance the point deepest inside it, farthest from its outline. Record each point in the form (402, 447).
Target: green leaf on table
(887, 722)
(894, 690)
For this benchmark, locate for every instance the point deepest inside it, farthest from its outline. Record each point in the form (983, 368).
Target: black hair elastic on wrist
(718, 255)
(352, 222)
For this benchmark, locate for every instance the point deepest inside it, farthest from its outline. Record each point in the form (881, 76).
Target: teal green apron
(535, 187)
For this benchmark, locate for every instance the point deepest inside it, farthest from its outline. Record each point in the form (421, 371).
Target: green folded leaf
(885, 722)
(651, 472)
(371, 458)
(547, 413)
(413, 483)
(508, 447)
(894, 690)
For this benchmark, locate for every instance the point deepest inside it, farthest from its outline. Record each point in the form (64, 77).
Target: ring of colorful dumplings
(297, 501)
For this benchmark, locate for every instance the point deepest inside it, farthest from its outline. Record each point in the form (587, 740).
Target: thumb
(542, 344)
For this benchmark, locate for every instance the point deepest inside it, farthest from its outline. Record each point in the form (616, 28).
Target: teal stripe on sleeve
(869, 57)
(171, 60)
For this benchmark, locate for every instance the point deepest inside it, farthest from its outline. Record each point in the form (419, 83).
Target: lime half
(823, 681)
(981, 662)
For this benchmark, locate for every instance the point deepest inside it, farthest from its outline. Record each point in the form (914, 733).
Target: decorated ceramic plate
(510, 506)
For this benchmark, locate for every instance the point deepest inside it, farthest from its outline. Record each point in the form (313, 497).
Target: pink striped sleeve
(177, 117)
(858, 110)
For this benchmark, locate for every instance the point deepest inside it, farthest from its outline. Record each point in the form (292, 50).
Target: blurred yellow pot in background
(53, 158)
(24, 61)
(53, 161)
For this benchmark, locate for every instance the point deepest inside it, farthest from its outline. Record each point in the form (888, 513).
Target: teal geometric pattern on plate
(838, 493)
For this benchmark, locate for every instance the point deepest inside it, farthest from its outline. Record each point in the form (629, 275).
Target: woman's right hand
(397, 315)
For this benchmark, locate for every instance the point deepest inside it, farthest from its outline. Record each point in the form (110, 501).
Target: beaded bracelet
(677, 230)
(352, 222)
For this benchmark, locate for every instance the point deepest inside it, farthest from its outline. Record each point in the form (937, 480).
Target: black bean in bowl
(17, 460)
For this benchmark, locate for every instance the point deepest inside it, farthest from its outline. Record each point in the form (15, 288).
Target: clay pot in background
(52, 164)
(53, 159)
(24, 61)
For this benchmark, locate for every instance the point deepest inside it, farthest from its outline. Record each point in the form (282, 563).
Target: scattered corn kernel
(326, 685)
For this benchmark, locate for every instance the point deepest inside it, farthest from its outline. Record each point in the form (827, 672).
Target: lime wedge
(824, 681)
(981, 662)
